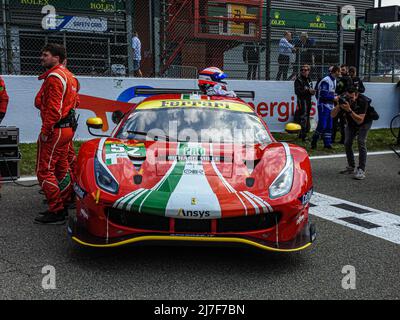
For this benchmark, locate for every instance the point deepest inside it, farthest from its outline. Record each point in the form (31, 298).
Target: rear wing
(157, 91)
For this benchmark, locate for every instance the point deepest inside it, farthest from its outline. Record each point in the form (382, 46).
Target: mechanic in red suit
(56, 100)
(3, 104)
(72, 158)
(71, 151)
(3, 99)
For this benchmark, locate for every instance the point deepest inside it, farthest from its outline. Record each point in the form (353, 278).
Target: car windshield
(194, 125)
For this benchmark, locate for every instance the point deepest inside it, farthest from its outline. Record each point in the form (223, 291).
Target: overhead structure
(196, 33)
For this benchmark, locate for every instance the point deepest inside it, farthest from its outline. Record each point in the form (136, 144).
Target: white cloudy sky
(388, 2)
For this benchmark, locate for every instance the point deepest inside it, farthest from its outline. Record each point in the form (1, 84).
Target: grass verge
(378, 140)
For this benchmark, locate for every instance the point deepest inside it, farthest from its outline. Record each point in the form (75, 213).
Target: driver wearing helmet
(211, 83)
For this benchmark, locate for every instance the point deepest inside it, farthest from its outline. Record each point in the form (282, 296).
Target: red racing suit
(3, 99)
(72, 159)
(57, 96)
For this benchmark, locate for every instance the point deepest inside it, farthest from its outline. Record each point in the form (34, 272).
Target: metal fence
(380, 57)
(99, 50)
(185, 39)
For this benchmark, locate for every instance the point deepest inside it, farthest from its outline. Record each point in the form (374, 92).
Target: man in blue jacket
(326, 101)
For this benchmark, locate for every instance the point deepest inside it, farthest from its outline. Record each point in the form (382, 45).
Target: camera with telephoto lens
(343, 99)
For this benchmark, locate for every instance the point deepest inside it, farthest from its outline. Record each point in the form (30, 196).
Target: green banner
(303, 20)
(91, 5)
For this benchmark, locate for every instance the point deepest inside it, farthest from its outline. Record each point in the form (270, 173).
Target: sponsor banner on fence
(79, 24)
(275, 101)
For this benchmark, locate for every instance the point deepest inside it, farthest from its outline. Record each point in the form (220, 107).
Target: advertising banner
(79, 24)
(275, 101)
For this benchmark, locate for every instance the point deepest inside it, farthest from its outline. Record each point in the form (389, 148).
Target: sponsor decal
(192, 235)
(84, 214)
(194, 172)
(194, 213)
(79, 191)
(195, 158)
(123, 151)
(283, 110)
(194, 151)
(300, 219)
(318, 23)
(100, 106)
(277, 21)
(231, 106)
(64, 183)
(306, 198)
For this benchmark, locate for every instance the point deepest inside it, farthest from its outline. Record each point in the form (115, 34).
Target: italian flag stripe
(154, 201)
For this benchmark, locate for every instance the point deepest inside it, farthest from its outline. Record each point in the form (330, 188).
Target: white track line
(23, 179)
(388, 224)
(333, 156)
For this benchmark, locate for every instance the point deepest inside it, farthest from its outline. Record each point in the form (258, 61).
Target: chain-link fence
(380, 58)
(234, 36)
(180, 38)
(94, 34)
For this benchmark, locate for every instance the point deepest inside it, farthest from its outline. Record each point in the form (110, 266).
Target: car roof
(194, 100)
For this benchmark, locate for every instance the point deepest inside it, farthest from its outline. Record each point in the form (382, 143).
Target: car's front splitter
(303, 240)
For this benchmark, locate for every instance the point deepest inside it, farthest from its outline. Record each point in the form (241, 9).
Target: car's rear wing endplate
(157, 91)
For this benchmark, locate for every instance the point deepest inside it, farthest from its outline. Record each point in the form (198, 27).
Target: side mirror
(293, 128)
(117, 116)
(94, 123)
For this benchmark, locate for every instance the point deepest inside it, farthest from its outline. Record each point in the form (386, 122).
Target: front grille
(138, 220)
(186, 225)
(249, 223)
(161, 223)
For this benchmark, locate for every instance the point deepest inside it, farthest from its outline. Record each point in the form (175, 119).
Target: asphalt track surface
(154, 272)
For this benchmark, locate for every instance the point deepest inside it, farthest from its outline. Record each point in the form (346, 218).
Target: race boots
(52, 218)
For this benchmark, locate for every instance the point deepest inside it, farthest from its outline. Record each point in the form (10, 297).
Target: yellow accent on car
(224, 105)
(293, 128)
(95, 123)
(190, 238)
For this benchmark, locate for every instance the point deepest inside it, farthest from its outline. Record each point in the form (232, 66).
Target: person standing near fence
(326, 100)
(303, 87)
(286, 50)
(305, 53)
(251, 56)
(56, 99)
(344, 83)
(357, 82)
(137, 54)
(3, 99)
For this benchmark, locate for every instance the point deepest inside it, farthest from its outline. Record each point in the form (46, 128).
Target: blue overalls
(326, 96)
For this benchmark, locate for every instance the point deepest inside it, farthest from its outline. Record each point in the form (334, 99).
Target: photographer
(303, 87)
(344, 83)
(358, 124)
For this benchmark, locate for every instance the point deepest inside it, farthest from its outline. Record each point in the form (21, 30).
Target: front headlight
(104, 178)
(283, 183)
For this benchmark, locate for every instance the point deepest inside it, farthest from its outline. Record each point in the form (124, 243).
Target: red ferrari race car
(189, 167)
